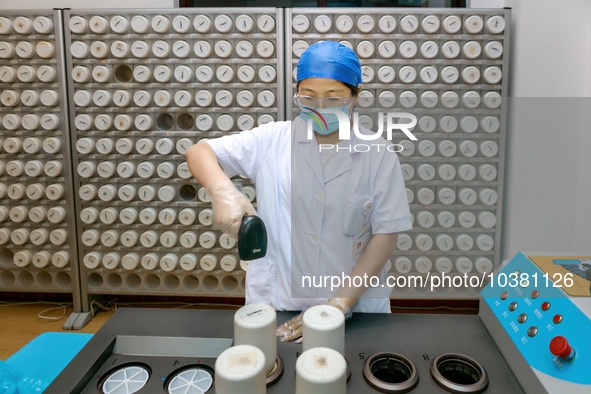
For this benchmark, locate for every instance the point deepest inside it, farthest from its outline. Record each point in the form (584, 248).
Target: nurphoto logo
(394, 121)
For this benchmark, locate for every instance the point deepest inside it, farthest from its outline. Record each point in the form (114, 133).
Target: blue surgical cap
(329, 59)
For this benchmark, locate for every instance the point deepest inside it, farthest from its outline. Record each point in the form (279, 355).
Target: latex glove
(292, 330)
(229, 207)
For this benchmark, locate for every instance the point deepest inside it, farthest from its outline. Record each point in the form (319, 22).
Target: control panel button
(522, 318)
(545, 305)
(512, 306)
(532, 331)
(560, 347)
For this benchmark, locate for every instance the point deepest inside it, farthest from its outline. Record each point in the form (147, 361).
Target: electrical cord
(113, 304)
(42, 314)
(108, 306)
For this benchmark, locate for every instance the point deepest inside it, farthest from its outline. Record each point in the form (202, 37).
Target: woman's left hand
(292, 330)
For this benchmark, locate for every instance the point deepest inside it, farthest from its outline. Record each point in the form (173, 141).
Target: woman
(332, 211)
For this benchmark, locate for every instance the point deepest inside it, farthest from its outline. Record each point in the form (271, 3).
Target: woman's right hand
(229, 207)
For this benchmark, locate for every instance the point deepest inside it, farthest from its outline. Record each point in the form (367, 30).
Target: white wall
(588, 62)
(548, 173)
(485, 3)
(85, 4)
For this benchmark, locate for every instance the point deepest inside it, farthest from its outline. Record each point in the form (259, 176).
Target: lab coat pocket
(260, 282)
(354, 214)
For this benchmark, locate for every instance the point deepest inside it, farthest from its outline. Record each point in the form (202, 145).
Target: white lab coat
(315, 214)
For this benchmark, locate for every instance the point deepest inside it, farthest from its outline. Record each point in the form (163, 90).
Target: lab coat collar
(299, 128)
(312, 155)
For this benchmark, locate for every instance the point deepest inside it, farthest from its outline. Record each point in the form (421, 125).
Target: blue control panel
(535, 312)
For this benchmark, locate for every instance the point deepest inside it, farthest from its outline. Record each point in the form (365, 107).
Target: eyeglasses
(309, 102)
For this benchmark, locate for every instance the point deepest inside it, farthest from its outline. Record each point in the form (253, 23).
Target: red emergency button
(559, 347)
(545, 305)
(557, 319)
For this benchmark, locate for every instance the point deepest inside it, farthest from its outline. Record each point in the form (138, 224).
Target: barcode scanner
(252, 238)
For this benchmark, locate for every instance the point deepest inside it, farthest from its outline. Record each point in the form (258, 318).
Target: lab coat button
(315, 237)
(320, 195)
